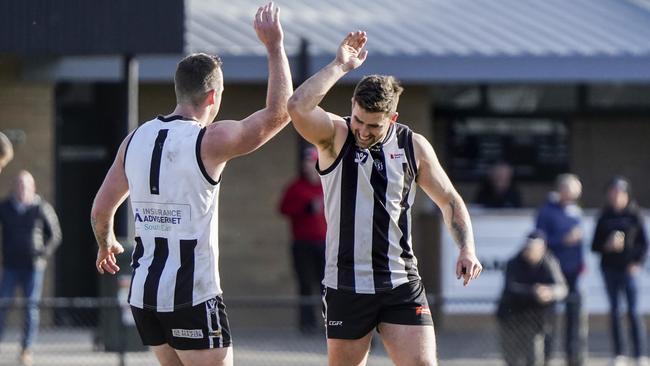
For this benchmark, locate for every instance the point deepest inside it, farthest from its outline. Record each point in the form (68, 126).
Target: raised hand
(351, 53)
(267, 25)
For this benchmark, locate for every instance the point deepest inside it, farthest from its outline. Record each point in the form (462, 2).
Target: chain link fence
(99, 331)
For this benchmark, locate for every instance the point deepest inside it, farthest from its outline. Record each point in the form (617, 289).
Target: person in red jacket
(302, 203)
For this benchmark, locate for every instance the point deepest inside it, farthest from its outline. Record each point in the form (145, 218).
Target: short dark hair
(619, 182)
(536, 234)
(378, 93)
(196, 75)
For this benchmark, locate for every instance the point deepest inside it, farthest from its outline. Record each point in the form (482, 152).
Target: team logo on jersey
(379, 165)
(360, 157)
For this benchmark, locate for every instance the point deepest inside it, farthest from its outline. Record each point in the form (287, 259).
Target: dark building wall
(606, 146)
(74, 27)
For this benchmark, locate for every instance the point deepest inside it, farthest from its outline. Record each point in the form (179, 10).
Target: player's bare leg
(348, 352)
(409, 345)
(207, 357)
(166, 355)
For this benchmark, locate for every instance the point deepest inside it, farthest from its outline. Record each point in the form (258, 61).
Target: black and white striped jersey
(174, 202)
(368, 199)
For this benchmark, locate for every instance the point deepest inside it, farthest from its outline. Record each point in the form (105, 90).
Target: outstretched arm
(225, 140)
(311, 121)
(435, 182)
(110, 196)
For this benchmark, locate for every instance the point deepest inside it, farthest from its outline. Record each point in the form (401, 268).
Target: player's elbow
(276, 122)
(283, 117)
(293, 103)
(295, 106)
(278, 116)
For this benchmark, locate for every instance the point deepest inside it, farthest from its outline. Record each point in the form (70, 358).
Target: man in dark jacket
(561, 219)
(621, 240)
(533, 283)
(30, 234)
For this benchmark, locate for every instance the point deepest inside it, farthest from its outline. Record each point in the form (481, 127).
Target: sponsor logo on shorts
(335, 323)
(214, 333)
(188, 333)
(422, 310)
(212, 304)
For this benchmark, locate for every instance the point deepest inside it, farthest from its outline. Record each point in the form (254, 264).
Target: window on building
(531, 98)
(536, 147)
(457, 96)
(619, 96)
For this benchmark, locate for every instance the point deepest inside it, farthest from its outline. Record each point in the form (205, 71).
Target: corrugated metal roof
(418, 41)
(439, 28)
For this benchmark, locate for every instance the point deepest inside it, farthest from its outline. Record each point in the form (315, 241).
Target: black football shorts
(202, 326)
(349, 315)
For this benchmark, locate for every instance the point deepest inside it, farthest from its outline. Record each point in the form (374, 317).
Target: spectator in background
(561, 218)
(6, 151)
(302, 203)
(621, 240)
(498, 190)
(30, 234)
(533, 283)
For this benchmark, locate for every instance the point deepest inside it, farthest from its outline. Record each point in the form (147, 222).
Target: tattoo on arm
(101, 231)
(458, 225)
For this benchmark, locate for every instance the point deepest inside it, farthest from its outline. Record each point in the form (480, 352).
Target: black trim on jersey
(199, 161)
(404, 141)
(156, 156)
(175, 117)
(345, 261)
(402, 223)
(349, 141)
(185, 275)
(380, 222)
(388, 135)
(160, 254)
(138, 252)
(126, 149)
(410, 152)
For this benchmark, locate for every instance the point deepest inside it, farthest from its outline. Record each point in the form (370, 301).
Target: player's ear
(393, 117)
(210, 97)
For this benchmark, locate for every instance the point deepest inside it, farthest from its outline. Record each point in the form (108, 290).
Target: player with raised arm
(369, 167)
(171, 167)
